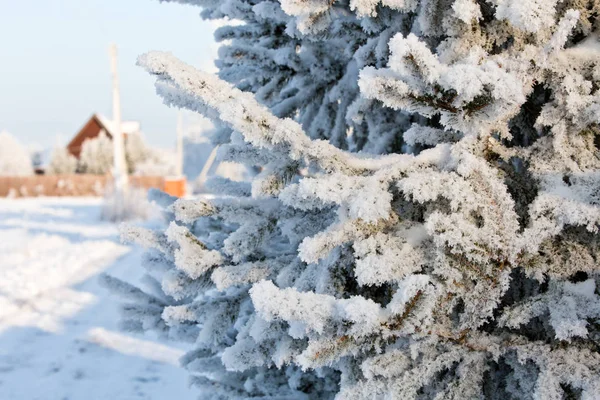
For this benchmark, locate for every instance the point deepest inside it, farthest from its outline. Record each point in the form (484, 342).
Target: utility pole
(120, 165)
(177, 185)
(179, 170)
(207, 165)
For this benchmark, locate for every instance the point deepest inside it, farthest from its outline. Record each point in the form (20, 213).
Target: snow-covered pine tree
(14, 159)
(62, 162)
(310, 74)
(465, 268)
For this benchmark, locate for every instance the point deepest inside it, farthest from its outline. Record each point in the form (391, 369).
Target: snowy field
(59, 338)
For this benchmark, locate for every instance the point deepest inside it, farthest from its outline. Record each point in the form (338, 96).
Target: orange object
(175, 186)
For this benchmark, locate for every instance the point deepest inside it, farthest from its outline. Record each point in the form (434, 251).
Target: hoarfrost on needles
(423, 222)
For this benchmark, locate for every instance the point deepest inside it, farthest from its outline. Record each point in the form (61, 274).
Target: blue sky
(55, 71)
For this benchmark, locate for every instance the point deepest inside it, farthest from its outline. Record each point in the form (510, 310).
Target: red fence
(68, 185)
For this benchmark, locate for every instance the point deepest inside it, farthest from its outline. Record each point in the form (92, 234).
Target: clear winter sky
(55, 71)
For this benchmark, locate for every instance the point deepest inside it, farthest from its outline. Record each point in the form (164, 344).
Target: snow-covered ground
(59, 338)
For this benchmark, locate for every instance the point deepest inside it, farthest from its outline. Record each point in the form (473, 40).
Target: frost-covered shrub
(158, 162)
(14, 158)
(96, 155)
(465, 268)
(62, 162)
(137, 153)
(128, 205)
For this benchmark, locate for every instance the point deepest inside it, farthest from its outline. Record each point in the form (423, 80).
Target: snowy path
(59, 338)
